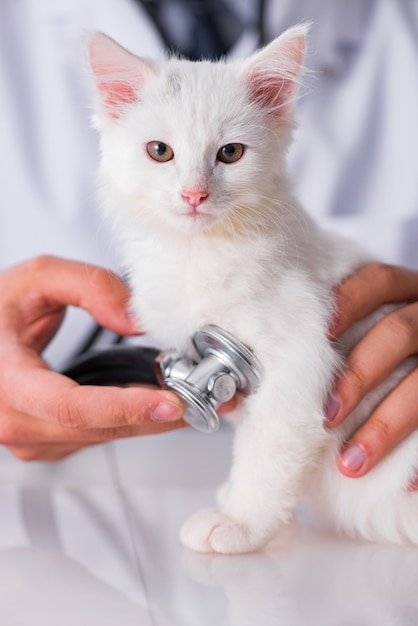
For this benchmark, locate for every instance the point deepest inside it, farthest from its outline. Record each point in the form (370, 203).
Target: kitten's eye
(230, 153)
(159, 151)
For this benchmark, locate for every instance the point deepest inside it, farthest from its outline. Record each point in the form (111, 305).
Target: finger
(395, 418)
(228, 407)
(59, 400)
(368, 288)
(373, 359)
(51, 281)
(39, 334)
(31, 435)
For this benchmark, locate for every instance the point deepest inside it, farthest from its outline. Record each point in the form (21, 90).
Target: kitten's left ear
(119, 75)
(272, 75)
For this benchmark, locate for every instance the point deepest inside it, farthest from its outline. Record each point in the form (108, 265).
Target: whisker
(255, 219)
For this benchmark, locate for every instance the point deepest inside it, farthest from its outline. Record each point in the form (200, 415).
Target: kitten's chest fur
(257, 289)
(178, 285)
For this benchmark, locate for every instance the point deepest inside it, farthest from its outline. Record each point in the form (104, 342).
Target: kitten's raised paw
(212, 531)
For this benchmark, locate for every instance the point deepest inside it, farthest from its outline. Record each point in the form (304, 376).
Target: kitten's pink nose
(194, 197)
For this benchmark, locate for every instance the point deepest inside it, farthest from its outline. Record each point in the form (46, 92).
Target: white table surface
(93, 540)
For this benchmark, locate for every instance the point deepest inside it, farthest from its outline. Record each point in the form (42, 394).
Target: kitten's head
(197, 146)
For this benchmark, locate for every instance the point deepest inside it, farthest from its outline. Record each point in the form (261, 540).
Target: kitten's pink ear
(272, 75)
(119, 75)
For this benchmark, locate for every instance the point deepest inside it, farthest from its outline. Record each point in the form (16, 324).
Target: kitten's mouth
(194, 214)
(193, 219)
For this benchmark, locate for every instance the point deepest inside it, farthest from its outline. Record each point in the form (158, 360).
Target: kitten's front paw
(212, 531)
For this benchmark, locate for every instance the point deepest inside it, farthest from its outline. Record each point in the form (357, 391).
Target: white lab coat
(355, 152)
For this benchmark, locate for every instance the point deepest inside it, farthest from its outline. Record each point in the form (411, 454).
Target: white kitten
(193, 168)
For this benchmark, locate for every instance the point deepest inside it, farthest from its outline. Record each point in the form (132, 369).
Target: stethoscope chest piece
(221, 367)
(226, 366)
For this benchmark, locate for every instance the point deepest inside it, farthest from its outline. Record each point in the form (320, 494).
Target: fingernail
(353, 458)
(331, 408)
(332, 327)
(167, 412)
(413, 485)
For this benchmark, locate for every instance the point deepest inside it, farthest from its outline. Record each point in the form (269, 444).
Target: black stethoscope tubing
(115, 365)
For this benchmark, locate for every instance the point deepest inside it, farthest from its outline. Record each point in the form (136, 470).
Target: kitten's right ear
(118, 74)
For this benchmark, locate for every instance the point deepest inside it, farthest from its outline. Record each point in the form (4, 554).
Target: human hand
(376, 355)
(45, 415)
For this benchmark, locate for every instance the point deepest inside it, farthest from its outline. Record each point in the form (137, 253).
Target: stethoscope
(221, 367)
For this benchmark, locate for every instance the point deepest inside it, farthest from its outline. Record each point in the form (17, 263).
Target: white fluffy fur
(252, 262)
